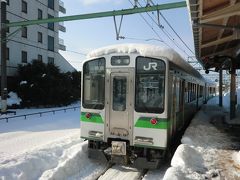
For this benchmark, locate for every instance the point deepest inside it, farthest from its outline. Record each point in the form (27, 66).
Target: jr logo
(151, 65)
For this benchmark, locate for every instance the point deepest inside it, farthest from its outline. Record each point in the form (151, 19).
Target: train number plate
(118, 148)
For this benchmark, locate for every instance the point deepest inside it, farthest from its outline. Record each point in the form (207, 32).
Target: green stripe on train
(95, 118)
(144, 122)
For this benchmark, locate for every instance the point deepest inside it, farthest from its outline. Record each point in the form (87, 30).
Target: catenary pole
(3, 58)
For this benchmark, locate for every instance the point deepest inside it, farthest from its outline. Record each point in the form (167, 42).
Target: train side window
(186, 92)
(194, 92)
(189, 92)
(94, 84)
(150, 85)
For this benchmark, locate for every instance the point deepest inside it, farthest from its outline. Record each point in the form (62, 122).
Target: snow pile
(60, 160)
(32, 164)
(201, 133)
(226, 99)
(73, 164)
(173, 173)
(187, 157)
(236, 158)
(186, 163)
(12, 99)
(23, 82)
(205, 152)
(46, 147)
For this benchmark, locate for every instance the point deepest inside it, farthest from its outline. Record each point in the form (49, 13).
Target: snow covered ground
(208, 149)
(49, 147)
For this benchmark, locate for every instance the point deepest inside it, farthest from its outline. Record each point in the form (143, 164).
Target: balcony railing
(62, 27)
(61, 45)
(61, 7)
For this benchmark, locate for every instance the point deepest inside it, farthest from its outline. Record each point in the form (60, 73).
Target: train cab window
(150, 85)
(94, 84)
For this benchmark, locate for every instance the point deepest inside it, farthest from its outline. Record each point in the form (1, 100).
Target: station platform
(210, 146)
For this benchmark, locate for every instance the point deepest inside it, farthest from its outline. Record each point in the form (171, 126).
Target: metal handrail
(40, 113)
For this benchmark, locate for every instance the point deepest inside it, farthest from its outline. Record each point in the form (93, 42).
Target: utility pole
(3, 58)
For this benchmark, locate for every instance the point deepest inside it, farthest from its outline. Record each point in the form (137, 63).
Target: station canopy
(216, 32)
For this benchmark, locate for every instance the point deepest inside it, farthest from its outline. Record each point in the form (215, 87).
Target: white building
(37, 41)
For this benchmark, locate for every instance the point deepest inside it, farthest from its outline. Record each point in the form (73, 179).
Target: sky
(82, 36)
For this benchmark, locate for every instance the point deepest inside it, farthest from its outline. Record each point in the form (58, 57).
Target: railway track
(122, 172)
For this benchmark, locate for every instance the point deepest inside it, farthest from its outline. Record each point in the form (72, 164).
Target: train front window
(119, 93)
(150, 75)
(94, 84)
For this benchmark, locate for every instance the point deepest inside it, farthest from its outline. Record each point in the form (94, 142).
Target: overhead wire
(165, 19)
(166, 33)
(155, 32)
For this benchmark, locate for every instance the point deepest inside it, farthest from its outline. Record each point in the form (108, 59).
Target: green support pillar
(100, 14)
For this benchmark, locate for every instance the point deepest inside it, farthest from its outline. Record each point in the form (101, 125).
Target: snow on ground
(118, 172)
(207, 150)
(156, 174)
(35, 131)
(47, 147)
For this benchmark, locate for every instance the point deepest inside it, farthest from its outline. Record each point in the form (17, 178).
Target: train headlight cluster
(153, 121)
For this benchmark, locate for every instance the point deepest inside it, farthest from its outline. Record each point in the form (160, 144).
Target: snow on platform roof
(148, 51)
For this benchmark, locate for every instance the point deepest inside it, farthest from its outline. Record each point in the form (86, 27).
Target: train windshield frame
(94, 84)
(150, 85)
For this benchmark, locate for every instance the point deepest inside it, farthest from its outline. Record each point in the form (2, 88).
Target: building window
(40, 57)
(24, 57)
(24, 6)
(50, 43)
(8, 2)
(51, 4)
(50, 60)
(24, 32)
(50, 25)
(40, 37)
(40, 14)
(7, 54)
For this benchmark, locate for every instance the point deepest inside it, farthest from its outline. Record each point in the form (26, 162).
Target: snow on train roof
(146, 50)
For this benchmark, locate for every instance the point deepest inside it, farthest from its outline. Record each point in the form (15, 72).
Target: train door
(179, 104)
(174, 106)
(119, 105)
(177, 108)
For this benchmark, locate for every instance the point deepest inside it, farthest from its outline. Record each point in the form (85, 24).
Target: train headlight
(153, 121)
(88, 115)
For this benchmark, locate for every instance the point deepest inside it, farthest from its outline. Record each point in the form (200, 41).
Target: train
(135, 100)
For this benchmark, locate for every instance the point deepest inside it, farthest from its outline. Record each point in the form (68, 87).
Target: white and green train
(135, 99)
